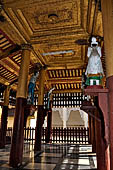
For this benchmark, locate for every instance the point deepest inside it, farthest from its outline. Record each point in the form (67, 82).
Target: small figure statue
(31, 87)
(48, 97)
(94, 71)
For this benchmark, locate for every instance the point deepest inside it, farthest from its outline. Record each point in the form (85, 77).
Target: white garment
(94, 63)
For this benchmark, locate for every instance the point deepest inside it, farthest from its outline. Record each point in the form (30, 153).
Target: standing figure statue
(48, 97)
(31, 87)
(94, 71)
(32, 83)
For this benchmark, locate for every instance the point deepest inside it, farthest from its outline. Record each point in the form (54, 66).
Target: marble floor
(53, 157)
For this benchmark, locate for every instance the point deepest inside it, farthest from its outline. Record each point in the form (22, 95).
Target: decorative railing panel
(78, 135)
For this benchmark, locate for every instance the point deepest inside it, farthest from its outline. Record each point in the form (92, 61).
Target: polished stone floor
(53, 157)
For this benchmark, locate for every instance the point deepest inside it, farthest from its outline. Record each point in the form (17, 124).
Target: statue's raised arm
(48, 97)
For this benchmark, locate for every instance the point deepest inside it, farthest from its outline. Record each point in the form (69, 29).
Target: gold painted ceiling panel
(59, 32)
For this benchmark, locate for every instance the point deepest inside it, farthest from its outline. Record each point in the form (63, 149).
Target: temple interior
(56, 90)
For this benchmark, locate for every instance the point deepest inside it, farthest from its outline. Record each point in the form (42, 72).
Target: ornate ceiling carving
(49, 26)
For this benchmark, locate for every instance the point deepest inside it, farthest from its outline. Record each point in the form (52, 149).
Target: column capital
(26, 47)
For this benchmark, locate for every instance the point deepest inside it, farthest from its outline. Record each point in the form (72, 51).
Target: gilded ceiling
(59, 32)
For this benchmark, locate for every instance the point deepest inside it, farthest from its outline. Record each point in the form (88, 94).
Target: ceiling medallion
(52, 17)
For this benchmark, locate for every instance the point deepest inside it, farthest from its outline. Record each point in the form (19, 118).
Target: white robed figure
(94, 66)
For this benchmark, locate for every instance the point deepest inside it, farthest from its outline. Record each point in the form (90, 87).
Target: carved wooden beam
(65, 80)
(10, 51)
(67, 91)
(39, 56)
(3, 12)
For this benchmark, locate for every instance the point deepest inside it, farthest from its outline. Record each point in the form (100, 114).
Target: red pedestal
(95, 87)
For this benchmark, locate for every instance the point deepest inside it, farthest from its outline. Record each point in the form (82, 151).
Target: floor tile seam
(27, 162)
(43, 163)
(75, 164)
(50, 157)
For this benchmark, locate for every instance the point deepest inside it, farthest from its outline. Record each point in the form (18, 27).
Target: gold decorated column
(24, 71)
(40, 113)
(21, 100)
(41, 87)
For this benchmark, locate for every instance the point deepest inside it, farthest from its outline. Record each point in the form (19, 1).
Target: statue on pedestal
(94, 71)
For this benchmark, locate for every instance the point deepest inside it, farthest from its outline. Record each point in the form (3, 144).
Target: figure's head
(94, 43)
(36, 73)
(37, 66)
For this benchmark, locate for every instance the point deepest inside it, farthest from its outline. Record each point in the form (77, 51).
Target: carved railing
(78, 135)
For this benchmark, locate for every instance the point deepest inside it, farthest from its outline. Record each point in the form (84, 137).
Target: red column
(89, 122)
(100, 148)
(4, 118)
(107, 16)
(3, 126)
(93, 135)
(110, 99)
(18, 134)
(38, 132)
(102, 131)
(16, 152)
(49, 123)
(40, 113)
(102, 137)
(103, 104)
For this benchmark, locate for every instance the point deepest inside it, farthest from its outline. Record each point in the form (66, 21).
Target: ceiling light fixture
(58, 52)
